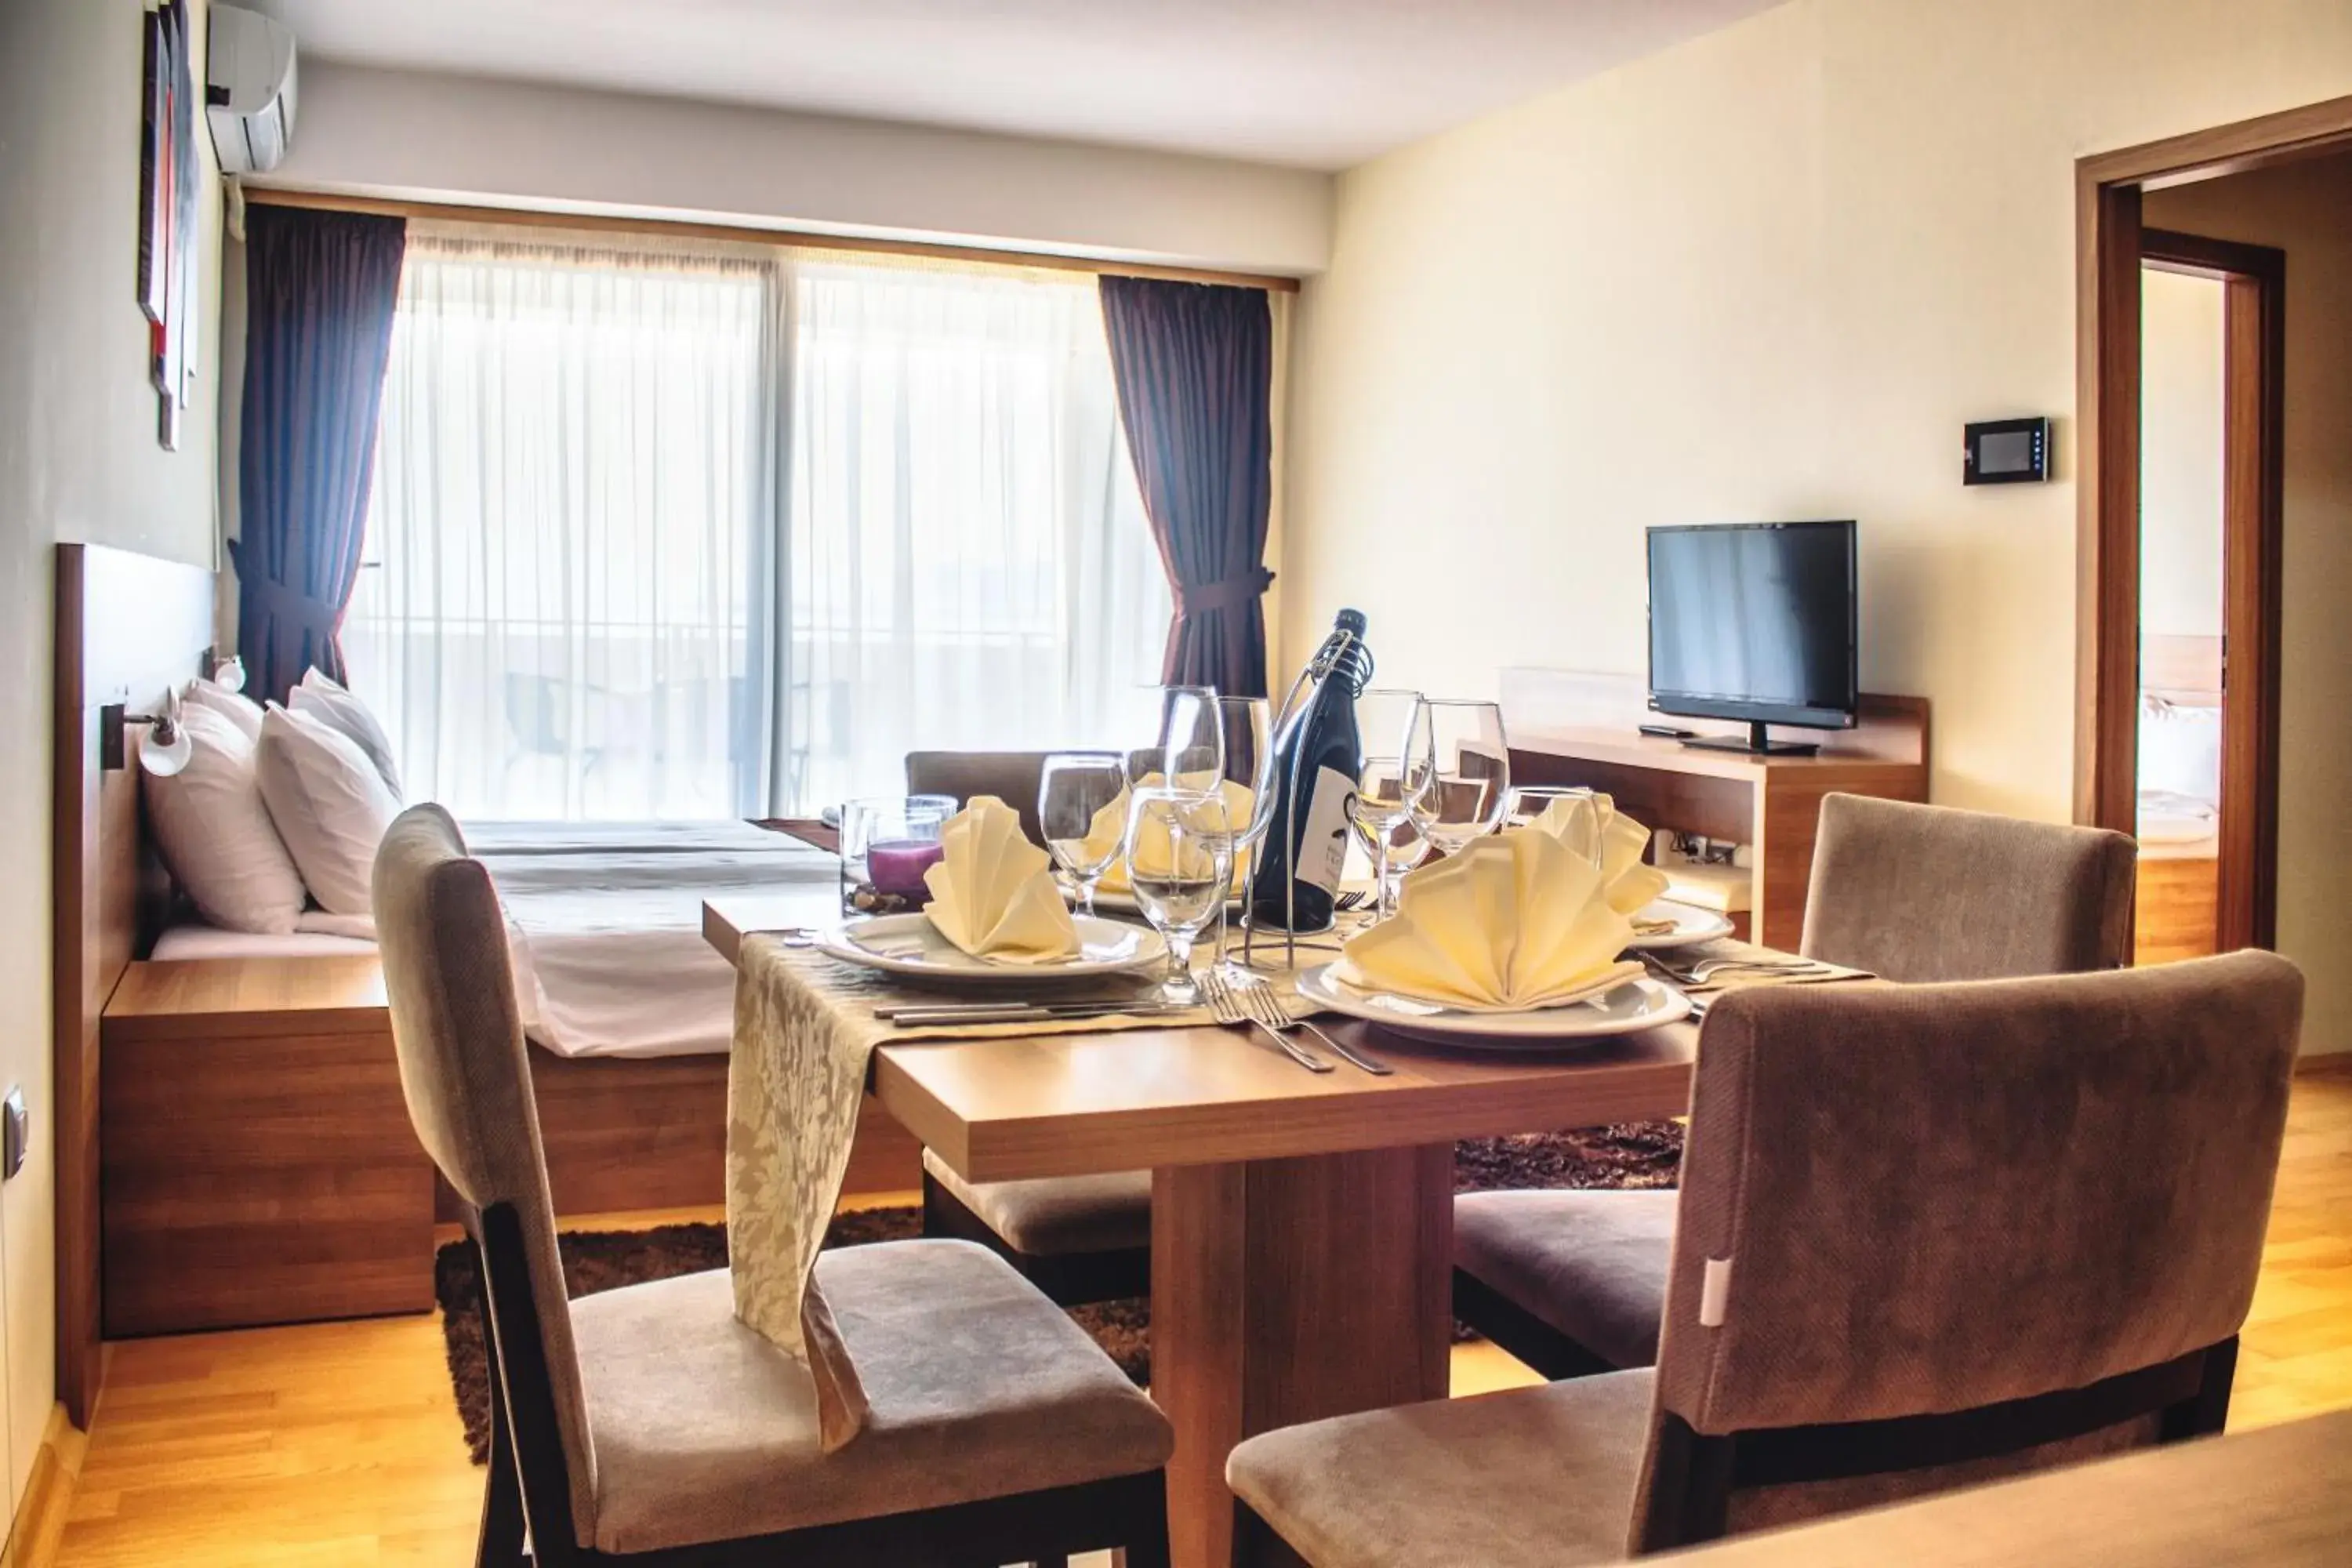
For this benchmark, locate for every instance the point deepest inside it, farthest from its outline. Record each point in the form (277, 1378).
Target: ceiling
(1315, 83)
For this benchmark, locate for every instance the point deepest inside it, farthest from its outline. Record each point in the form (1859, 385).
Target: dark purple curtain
(1194, 365)
(319, 288)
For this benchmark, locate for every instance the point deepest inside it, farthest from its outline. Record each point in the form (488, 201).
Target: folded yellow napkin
(1108, 830)
(1591, 828)
(993, 892)
(1511, 923)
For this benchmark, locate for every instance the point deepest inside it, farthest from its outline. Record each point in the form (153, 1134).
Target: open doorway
(2213, 347)
(2252, 222)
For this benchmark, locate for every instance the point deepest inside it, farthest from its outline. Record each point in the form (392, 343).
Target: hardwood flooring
(338, 1443)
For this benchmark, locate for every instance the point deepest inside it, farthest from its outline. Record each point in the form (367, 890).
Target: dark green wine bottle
(1316, 758)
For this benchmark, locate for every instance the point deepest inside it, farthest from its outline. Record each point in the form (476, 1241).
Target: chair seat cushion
(1591, 1264)
(979, 1386)
(1538, 1476)
(1057, 1216)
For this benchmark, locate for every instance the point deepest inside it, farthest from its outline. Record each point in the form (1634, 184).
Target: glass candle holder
(887, 845)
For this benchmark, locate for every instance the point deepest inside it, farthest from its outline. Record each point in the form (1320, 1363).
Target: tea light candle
(897, 865)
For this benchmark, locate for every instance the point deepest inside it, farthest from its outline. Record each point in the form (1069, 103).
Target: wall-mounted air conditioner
(249, 90)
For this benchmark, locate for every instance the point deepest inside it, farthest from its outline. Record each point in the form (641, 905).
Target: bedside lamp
(163, 750)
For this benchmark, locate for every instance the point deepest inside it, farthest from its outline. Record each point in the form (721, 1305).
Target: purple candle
(897, 865)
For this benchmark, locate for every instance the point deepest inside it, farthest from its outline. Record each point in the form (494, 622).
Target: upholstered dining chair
(1012, 777)
(1574, 1283)
(1930, 1235)
(1076, 1238)
(645, 1425)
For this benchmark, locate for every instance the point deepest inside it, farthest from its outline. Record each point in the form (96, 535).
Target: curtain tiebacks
(283, 602)
(1231, 594)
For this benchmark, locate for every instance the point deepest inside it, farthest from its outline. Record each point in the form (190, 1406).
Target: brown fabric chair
(1575, 1282)
(1012, 777)
(646, 1425)
(1077, 1240)
(1930, 1235)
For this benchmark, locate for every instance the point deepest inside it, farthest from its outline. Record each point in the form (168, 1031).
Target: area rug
(1634, 1155)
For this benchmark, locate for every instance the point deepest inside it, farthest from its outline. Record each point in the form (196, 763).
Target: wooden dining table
(1302, 1223)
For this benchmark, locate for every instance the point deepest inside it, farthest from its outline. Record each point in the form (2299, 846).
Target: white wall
(78, 460)
(1767, 274)
(468, 138)
(2181, 455)
(2306, 211)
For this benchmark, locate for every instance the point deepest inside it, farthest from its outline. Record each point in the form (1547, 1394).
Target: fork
(1226, 1009)
(1701, 972)
(1353, 899)
(1267, 1008)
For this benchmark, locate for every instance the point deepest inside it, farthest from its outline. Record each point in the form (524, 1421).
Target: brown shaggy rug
(1635, 1155)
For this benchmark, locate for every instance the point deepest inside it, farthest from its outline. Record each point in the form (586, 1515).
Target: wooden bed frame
(2176, 905)
(621, 1134)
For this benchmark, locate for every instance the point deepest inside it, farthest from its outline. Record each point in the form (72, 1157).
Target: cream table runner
(804, 1032)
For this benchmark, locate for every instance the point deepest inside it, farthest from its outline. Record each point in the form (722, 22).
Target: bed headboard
(130, 628)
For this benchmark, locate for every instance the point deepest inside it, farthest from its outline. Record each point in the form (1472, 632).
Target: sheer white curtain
(661, 532)
(970, 565)
(560, 616)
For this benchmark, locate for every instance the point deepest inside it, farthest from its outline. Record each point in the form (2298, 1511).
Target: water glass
(1382, 812)
(1457, 768)
(1180, 859)
(1192, 738)
(1073, 789)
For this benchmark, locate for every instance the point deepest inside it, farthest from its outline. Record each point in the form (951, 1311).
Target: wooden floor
(339, 1444)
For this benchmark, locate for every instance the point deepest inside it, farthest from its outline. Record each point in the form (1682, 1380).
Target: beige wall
(78, 460)
(2181, 455)
(419, 134)
(2306, 210)
(1767, 274)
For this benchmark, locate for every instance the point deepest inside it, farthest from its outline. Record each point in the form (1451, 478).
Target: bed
(2180, 804)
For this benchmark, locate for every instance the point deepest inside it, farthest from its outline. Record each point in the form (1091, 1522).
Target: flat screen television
(1756, 621)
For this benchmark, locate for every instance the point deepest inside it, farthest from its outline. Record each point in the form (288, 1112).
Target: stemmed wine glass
(1180, 859)
(1073, 789)
(1247, 724)
(1192, 738)
(1528, 801)
(1382, 812)
(1457, 767)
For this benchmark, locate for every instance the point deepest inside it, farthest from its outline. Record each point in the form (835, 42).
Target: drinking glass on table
(1247, 725)
(1457, 768)
(887, 845)
(1192, 738)
(1382, 813)
(1072, 788)
(1179, 860)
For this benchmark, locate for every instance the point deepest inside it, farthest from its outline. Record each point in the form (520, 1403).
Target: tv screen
(1755, 621)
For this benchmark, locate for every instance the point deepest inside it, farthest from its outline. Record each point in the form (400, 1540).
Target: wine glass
(1528, 801)
(1073, 789)
(1179, 860)
(1457, 767)
(1382, 812)
(1247, 726)
(1192, 737)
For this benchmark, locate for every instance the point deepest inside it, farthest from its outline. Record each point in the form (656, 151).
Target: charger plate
(1626, 1009)
(911, 945)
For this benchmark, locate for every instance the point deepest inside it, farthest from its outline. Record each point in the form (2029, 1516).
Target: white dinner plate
(1693, 925)
(1637, 1005)
(912, 945)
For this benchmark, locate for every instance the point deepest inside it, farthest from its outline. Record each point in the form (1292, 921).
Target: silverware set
(1257, 1005)
(941, 1014)
(1706, 970)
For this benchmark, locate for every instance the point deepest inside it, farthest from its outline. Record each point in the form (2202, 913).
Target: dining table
(1302, 1223)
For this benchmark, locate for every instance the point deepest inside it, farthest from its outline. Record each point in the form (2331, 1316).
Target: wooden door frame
(2110, 245)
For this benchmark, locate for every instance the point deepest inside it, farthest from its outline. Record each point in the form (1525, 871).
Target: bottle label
(1323, 848)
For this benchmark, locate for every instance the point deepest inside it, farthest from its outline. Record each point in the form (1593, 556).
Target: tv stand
(1756, 743)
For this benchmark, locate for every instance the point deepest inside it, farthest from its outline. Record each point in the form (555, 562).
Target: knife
(934, 1016)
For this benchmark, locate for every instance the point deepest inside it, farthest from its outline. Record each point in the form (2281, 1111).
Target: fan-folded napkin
(992, 892)
(1591, 828)
(1511, 923)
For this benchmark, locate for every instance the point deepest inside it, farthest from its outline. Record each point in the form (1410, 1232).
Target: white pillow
(240, 710)
(215, 832)
(334, 703)
(329, 803)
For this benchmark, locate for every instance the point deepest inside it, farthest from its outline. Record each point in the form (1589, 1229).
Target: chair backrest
(1011, 776)
(1927, 892)
(1929, 1233)
(466, 1073)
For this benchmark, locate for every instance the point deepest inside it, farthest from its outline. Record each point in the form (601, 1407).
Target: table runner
(804, 1033)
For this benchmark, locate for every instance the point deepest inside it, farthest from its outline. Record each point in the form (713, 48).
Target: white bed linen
(605, 923)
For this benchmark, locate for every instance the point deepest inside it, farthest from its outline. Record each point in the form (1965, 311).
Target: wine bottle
(1316, 757)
